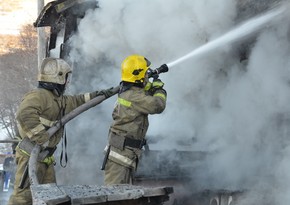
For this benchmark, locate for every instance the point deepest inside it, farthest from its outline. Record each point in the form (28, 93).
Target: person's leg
(7, 176)
(45, 173)
(21, 196)
(117, 174)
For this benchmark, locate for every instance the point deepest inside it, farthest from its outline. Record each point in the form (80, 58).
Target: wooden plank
(94, 194)
(85, 194)
(48, 194)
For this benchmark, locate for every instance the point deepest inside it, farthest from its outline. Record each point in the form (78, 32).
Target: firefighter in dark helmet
(39, 110)
(137, 98)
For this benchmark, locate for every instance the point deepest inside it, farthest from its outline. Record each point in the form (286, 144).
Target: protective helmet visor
(148, 63)
(68, 78)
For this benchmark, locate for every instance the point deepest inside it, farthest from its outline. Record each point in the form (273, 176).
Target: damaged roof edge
(52, 11)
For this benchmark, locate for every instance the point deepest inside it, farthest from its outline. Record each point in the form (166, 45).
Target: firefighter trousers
(45, 174)
(117, 174)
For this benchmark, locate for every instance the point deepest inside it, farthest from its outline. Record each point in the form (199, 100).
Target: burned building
(176, 168)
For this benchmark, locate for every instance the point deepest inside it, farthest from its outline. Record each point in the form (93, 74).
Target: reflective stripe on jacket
(40, 109)
(130, 115)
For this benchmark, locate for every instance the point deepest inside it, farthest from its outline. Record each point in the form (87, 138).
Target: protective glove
(157, 84)
(106, 92)
(148, 86)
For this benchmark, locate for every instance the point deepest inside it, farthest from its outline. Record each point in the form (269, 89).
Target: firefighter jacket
(40, 109)
(130, 123)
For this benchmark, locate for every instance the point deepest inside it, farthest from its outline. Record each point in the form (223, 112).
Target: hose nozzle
(155, 73)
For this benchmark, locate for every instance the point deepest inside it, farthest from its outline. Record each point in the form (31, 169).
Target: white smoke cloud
(237, 112)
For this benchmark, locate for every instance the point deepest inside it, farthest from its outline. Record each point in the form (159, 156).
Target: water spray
(249, 27)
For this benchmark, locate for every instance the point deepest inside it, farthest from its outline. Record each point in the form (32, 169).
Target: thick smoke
(237, 111)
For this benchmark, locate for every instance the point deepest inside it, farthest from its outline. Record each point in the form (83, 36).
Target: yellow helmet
(134, 68)
(54, 70)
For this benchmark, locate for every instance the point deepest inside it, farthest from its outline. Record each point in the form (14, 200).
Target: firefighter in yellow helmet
(137, 98)
(39, 110)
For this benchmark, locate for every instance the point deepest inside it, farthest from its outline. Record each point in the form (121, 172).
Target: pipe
(9, 141)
